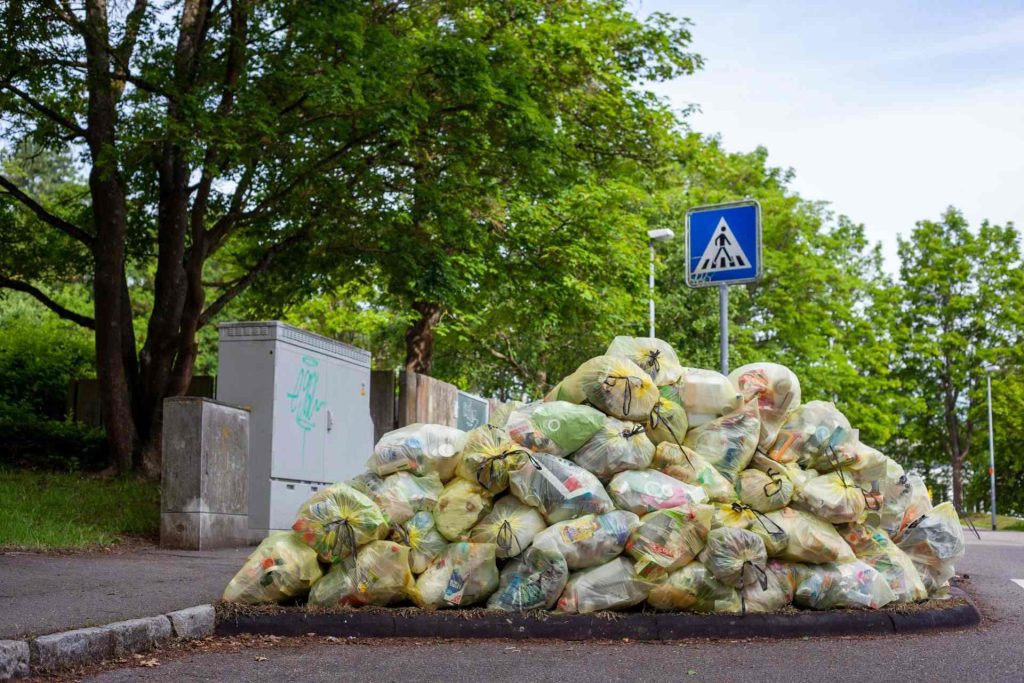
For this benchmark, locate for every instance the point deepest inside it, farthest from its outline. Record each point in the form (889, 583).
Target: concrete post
(204, 486)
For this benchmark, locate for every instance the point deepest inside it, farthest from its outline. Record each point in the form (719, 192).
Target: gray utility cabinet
(309, 403)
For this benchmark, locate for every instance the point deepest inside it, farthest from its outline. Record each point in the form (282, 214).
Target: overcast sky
(891, 111)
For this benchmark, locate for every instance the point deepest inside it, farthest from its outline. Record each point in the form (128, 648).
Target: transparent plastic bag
(499, 413)
(729, 442)
(764, 491)
(705, 395)
(557, 428)
(874, 547)
(400, 495)
(666, 540)
(616, 447)
(935, 543)
(282, 567)
(694, 589)
(667, 423)
(736, 557)
(534, 580)
(849, 585)
(618, 387)
(608, 586)
(643, 491)
(740, 516)
(381, 576)
(465, 574)
(810, 539)
(460, 507)
(589, 540)
(777, 391)
(560, 489)
(655, 357)
(424, 540)
(688, 466)
(510, 525)
(338, 519)
(808, 433)
(420, 449)
(769, 593)
(832, 498)
(486, 458)
(905, 500)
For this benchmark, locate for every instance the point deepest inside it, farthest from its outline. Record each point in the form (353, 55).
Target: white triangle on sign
(722, 253)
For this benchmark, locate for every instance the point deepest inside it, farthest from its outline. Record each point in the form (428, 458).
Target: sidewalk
(48, 593)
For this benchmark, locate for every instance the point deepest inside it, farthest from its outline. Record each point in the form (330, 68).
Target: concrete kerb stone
(139, 635)
(14, 659)
(194, 622)
(72, 648)
(635, 626)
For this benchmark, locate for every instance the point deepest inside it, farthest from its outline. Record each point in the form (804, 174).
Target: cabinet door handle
(330, 420)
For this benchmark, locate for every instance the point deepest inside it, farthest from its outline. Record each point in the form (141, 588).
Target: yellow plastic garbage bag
(740, 516)
(486, 457)
(460, 507)
(499, 414)
(777, 391)
(729, 442)
(655, 357)
(608, 586)
(282, 567)
(935, 543)
(511, 526)
(560, 489)
(338, 519)
(616, 447)
(771, 592)
(424, 540)
(666, 540)
(865, 464)
(736, 557)
(420, 449)
(557, 428)
(810, 539)
(667, 422)
(705, 395)
(694, 589)
(797, 475)
(849, 585)
(687, 465)
(764, 491)
(589, 540)
(400, 495)
(643, 491)
(618, 387)
(810, 435)
(905, 501)
(534, 580)
(465, 574)
(874, 547)
(832, 498)
(381, 577)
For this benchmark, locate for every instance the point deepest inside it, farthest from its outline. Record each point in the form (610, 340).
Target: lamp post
(989, 369)
(659, 235)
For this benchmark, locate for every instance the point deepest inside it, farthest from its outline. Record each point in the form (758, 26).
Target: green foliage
(53, 511)
(1008, 430)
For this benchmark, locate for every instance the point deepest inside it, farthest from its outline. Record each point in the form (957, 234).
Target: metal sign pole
(723, 327)
(991, 452)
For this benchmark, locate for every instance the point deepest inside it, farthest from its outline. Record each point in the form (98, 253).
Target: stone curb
(70, 649)
(648, 626)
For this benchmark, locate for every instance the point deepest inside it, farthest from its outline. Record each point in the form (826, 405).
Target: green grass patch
(61, 511)
(983, 520)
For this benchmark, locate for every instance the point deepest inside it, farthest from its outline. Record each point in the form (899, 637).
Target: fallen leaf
(261, 659)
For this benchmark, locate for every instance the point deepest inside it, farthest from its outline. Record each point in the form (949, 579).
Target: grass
(61, 511)
(983, 520)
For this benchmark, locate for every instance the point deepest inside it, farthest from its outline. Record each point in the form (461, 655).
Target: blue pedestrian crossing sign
(723, 244)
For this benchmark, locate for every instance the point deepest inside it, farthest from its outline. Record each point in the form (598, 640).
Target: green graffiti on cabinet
(304, 401)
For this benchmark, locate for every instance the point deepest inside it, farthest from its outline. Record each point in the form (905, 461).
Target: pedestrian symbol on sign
(723, 252)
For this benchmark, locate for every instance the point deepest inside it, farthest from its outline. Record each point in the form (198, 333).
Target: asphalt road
(992, 652)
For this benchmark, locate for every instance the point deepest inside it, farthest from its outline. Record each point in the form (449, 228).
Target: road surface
(992, 652)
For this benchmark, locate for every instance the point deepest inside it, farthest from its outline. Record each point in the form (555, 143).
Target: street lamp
(659, 235)
(989, 369)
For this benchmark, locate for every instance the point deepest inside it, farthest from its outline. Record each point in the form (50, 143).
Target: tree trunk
(419, 338)
(958, 484)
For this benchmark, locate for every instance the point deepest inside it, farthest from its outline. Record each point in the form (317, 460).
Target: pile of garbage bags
(635, 480)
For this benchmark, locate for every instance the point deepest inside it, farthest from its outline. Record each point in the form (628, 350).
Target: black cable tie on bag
(967, 519)
(761, 576)
(776, 481)
(652, 360)
(346, 536)
(403, 535)
(762, 518)
(627, 395)
(505, 538)
(629, 433)
(657, 420)
(490, 463)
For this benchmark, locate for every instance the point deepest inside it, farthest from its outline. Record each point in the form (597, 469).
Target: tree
(961, 307)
